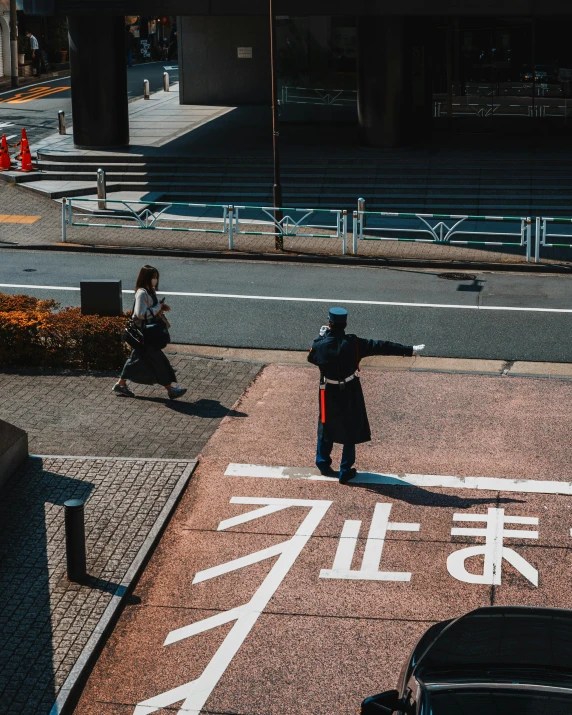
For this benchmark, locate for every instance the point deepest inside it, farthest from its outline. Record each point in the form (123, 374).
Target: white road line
(496, 484)
(30, 86)
(283, 298)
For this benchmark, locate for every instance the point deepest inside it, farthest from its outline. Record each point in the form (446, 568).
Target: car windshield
(495, 701)
(492, 640)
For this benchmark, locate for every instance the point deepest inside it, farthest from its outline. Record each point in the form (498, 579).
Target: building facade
(399, 70)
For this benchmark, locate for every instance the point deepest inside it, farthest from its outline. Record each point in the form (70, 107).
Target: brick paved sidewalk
(46, 231)
(45, 622)
(77, 414)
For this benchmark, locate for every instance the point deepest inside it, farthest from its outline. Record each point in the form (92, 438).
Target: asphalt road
(36, 106)
(281, 306)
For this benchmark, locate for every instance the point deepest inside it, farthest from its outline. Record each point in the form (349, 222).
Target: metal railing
(310, 95)
(298, 222)
(151, 216)
(547, 239)
(229, 220)
(200, 218)
(441, 228)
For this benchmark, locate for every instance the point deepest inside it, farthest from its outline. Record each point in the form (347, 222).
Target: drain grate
(457, 276)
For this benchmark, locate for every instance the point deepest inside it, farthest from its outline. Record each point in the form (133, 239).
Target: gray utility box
(101, 297)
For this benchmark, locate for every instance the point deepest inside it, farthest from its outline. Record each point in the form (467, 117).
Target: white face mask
(154, 282)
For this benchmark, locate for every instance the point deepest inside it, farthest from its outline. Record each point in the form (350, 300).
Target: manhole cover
(457, 276)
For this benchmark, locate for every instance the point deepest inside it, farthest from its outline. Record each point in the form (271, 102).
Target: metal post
(101, 190)
(75, 540)
(537, 242)
(64, 222)
(528, 238)
(165, 81)
(277, 187)
(230, 229)
(344, 232)
(14, 43)
(146, 92)
(355, 234)
(62, 122)
(361, 209)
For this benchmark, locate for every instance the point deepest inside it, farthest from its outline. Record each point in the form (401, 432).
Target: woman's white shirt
(144, 306)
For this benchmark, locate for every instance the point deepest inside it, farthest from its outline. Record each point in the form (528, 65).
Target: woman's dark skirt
(149, 366)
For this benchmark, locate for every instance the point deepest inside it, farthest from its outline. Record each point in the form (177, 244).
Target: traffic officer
(343, 416)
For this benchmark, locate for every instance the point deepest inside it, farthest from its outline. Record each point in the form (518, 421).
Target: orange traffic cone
(26, 157)
(21, 143)
(5, 163)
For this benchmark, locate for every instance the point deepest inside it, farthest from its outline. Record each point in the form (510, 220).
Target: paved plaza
(273, 591)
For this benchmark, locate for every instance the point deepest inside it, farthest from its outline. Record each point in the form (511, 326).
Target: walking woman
(148, 365)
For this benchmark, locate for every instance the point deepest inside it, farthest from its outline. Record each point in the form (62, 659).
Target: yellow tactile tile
(16, 218)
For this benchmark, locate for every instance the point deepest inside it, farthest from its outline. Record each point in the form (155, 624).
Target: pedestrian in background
(36, 56)
(129, 45)
(343, 415)
(148, 365)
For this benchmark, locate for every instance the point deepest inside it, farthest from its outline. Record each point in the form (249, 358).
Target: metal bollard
(355, 229)
(146, 92)
(64, 220)
(361, 209)
(101, 190)
(75, 540)
(62, 122)
(166, 81)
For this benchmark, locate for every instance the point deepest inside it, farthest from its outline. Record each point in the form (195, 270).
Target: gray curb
(71, 689)
(560, 268)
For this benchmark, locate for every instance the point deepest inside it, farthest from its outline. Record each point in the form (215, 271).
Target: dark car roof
(502, 637)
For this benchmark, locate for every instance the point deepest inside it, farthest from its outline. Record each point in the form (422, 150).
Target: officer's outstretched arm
(383, 347)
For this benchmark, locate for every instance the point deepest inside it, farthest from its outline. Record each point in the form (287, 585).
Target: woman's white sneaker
(122, 390)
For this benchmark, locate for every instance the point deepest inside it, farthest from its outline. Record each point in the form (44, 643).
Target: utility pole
(14, 43)
(277, 188)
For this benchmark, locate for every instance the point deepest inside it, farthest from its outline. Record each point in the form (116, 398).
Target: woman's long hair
(144, 280)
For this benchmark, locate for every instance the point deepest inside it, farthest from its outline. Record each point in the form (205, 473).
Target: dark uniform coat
(342, 407)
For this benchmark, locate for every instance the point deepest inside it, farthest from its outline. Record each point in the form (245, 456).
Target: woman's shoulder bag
(133, 335)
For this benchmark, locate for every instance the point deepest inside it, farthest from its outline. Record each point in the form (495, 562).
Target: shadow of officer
(343, 415)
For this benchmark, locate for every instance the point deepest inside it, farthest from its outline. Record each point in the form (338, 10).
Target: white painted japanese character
(493, 549)
(195, 693)
(380, 525)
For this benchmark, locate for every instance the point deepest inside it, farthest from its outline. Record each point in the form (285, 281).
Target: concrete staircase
(407, 181)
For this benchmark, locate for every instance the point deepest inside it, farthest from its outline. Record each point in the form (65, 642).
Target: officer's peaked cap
(338, 316)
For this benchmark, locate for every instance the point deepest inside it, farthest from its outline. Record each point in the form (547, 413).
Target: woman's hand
(166, 308)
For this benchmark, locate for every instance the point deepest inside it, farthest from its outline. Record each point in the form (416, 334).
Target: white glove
(417, 349)
(323, 330)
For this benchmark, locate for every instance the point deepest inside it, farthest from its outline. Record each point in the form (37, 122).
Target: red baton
(323, 404)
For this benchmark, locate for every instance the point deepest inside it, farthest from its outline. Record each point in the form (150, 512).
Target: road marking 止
(496, 484)
(292, 299)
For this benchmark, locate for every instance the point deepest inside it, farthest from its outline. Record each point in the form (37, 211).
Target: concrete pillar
(98, 81)
(393, 96)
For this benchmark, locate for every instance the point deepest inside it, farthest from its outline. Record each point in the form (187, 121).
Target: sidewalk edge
(71, 688)
(381, 262)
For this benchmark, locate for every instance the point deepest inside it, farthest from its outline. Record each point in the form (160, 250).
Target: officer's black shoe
(350, 474)
(328, 472)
